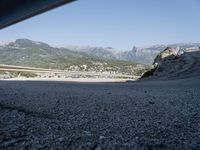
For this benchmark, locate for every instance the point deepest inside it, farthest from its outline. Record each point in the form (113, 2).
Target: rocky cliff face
(168, 62)
(142, 55)
(167, 54)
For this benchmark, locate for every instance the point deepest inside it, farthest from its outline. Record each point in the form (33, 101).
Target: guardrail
(23, 69)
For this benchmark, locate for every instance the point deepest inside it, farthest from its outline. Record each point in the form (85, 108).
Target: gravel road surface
(149, 114)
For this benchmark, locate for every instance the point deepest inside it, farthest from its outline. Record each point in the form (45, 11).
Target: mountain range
(143, 55)
(27, 52)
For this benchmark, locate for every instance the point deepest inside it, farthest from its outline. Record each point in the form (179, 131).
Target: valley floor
(148, 114)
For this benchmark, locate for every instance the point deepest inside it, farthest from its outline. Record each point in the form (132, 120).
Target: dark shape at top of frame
(13, 11)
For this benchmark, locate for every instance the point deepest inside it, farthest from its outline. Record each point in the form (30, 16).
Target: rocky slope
(169, 63)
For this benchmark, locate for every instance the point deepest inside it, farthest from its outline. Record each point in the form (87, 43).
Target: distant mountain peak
(109, 48)
(26, 41)
(23, 40)
(134, 48)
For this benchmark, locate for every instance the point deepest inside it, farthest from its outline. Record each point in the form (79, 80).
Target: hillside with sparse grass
(24, 52)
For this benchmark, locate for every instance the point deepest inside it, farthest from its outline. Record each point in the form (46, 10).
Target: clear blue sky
(116, 23)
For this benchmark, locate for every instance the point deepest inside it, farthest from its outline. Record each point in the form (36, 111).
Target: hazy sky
(116, 23)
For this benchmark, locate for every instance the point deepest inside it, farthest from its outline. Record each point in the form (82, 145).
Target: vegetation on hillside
(14, 74)
(25, 52)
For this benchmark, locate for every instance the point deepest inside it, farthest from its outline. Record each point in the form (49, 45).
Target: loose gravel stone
(70, 115)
